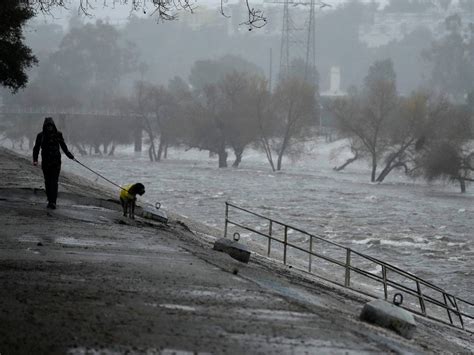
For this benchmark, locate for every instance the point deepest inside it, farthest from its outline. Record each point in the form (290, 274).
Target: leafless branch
(165, 10)
(256, 17)
(222, 10)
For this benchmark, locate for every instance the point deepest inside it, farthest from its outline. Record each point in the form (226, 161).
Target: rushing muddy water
(425, 229)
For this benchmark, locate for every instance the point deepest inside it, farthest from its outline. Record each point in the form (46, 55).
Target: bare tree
(142, 104)
(237, 90)
(366, 116)
(294, 102)
(260, 101)
(448, 153)
(405, 129)
(161, 104)
(347, 111)
(205, 126)
(357, 151)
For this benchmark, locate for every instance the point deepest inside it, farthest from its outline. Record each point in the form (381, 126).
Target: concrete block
(389, 316)
(236, 250)
(154, 214)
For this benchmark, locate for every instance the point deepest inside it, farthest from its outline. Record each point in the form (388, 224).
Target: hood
(48, 121)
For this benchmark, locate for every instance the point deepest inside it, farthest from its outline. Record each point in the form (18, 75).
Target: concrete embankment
(81, 279)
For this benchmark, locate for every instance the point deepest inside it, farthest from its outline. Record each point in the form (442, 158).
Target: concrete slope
(83, 280)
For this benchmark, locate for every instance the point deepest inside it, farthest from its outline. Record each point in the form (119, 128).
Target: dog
(128, 198)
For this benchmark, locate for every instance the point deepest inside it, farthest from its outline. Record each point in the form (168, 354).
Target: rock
(389, 316)
(223, 245)
(234, 249)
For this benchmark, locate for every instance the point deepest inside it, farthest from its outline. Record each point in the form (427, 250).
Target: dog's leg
(124, 208)
(132, 209)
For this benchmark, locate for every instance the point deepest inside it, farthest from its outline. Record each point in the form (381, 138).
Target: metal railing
(456, 308)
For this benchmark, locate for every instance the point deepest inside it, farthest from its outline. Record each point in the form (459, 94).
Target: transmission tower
(298, 40)
(310, 63)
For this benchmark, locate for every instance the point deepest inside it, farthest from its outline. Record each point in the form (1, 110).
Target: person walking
(49, 141)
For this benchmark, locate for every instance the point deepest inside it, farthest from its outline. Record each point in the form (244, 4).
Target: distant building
(334, 84)
(388, 27)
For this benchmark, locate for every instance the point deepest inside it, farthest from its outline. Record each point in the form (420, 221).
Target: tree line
(234, 113)
(425, 134)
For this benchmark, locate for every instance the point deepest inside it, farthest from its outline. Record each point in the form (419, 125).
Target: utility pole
(270, 71)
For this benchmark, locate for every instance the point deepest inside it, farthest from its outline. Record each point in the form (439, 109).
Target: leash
(102, 176)
(157, 204)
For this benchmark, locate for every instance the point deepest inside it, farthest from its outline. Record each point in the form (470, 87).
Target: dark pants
(51, 176)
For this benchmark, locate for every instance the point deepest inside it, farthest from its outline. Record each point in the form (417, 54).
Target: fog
(233, 84)
(348, 36)
(381, 95)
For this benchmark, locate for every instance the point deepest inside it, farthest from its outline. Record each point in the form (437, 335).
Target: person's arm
(64, 146)
(37, 147)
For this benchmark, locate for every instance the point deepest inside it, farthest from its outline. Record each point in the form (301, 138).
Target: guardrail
(459, 312)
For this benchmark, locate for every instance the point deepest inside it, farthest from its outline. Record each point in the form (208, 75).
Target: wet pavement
(83, 280)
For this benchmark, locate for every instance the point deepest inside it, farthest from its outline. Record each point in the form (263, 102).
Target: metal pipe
(384, 277)
(347, 282)
(447, 308)
(420, 299)
(270, 227)
(285, 244)
(226, 219)
(459, 313)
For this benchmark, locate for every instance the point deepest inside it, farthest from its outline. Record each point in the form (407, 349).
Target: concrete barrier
(389, 316)
(155, 214)
(234, 249)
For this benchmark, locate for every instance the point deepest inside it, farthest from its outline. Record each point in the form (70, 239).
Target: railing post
(420, 298)
(310, 253)
(270, 231)
(384, 278)
(285, 242)
(226, 219)
(447, 308)
(457, 309)
(347, 282)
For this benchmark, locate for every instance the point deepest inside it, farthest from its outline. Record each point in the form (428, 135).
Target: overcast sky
(119, 13)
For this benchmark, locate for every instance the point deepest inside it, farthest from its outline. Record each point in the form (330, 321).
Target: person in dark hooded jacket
(49, 141)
